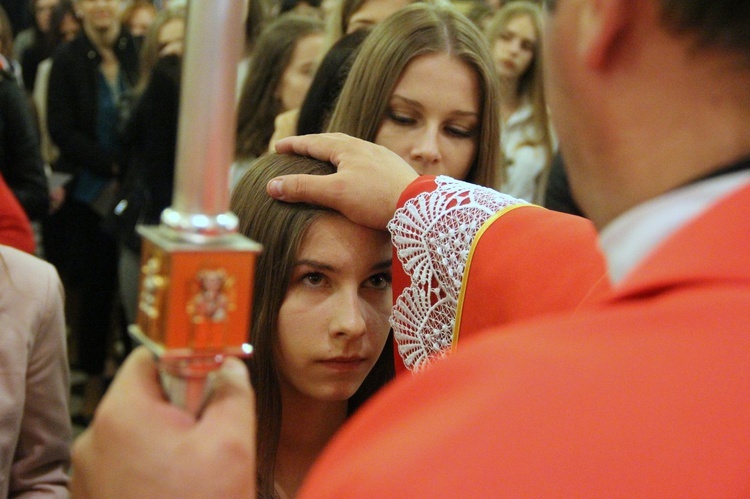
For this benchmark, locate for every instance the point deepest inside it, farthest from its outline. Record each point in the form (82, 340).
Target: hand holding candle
(134, 420)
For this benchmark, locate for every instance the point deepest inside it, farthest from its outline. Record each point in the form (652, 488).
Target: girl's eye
(460, 132)
(380, 281)
(528, 46)
(313, 278)
(400, 119)
(308, 70)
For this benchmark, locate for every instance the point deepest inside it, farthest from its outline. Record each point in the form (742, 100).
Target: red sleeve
(15, 229)
(529, 262)
(525, 262)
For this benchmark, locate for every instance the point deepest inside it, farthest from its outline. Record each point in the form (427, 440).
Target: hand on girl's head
(366, 187)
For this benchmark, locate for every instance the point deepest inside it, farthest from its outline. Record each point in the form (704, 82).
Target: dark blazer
(72, 102)
(20, 157)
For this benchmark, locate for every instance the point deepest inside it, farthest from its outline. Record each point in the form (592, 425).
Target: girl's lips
(343, 363)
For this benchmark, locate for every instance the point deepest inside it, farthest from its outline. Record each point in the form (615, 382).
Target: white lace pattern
(432, 234)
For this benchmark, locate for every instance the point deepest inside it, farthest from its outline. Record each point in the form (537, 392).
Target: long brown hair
(6, 35)
(280, 228)
(417, 30)
(150, 50)
(259, 105)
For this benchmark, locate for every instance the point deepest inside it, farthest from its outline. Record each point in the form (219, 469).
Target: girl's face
(299, 74)
(434, 116)
(333, 321)
(99, 15)
(141, 21)
(69, 27)
(373, 12)
(514, 48)
(43, 13)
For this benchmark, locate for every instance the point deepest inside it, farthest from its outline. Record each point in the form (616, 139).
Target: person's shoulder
(18, 260)
(27, 272)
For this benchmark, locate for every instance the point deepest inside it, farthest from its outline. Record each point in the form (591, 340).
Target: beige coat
(35, 427)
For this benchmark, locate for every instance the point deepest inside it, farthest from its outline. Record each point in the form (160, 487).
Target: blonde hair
(531, 83)
(414, 31)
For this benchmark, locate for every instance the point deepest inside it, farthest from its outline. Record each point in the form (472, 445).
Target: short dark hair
(723, 24)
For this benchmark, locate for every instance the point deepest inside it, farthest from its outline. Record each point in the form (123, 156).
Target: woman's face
(98, 15)
(141, 21)
(333, 322)
(514, 48)
(433, 118)
(69, 27)
(43, 13)
(299, 74)
(373, 12)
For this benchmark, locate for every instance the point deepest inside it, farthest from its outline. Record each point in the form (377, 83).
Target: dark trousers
(86, 258)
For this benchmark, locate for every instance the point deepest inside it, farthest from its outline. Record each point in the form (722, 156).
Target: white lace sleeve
(432, 234)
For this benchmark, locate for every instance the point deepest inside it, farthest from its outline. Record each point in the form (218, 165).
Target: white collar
(632, 236)
(523, 113)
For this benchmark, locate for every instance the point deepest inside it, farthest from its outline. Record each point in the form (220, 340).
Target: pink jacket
(34, 380)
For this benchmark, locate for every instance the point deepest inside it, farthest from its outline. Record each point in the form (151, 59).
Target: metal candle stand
(197, 272)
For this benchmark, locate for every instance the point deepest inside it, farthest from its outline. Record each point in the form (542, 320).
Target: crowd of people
(426, 319)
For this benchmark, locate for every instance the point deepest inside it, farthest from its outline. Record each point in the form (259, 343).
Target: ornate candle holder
(197, 272)
(194, 308)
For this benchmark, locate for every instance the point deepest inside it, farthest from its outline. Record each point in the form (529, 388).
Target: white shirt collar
(632, 236)
(520, 115)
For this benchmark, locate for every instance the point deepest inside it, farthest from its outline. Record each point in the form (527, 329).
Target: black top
(72, 102)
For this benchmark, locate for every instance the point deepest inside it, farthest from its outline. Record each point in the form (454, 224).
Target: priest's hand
(366, 187)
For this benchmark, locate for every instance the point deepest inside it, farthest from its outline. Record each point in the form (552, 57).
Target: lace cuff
(433, 234)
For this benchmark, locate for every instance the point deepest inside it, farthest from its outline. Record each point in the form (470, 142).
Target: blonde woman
(527, 141)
